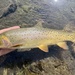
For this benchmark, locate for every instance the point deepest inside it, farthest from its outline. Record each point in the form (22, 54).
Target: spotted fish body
(33, 37)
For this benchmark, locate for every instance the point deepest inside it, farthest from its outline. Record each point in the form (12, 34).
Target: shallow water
(56, 14)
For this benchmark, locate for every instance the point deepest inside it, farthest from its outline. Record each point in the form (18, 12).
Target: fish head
(4, 42)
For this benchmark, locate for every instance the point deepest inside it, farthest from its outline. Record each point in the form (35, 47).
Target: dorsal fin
(70, 27)
(39, 23)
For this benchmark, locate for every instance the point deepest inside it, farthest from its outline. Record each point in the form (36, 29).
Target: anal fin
(63, 45)
(43, 48)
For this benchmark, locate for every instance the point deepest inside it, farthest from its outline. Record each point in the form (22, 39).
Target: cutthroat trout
(36, 36)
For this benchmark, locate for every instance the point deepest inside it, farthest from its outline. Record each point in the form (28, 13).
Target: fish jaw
(4, 42)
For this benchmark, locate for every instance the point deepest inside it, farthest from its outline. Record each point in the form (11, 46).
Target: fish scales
(37, 37)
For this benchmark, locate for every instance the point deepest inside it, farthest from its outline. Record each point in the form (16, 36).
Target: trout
(35, 37)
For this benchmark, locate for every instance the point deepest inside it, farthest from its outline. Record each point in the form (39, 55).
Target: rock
(11, 9)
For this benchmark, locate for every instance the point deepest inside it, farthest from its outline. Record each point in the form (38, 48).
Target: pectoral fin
(63, 45)
(17, 45)
(43, 48)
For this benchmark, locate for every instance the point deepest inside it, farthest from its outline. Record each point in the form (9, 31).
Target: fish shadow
(19, 58)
